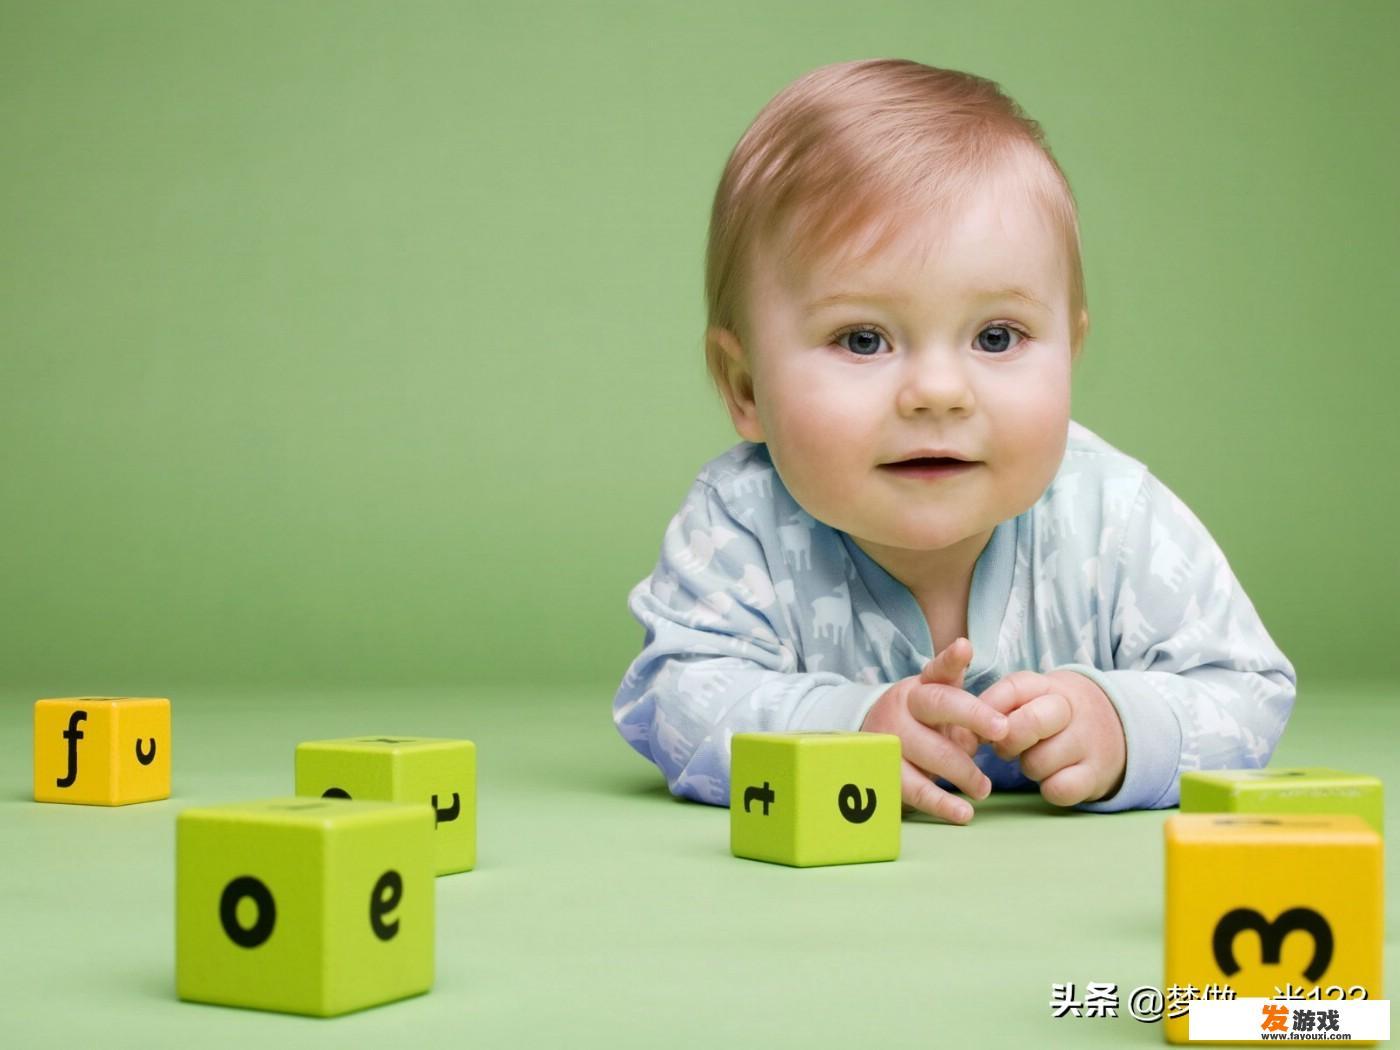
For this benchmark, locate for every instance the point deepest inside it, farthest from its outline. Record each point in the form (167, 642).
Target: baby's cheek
(815, 463)
(1032, 438)
(814, 432)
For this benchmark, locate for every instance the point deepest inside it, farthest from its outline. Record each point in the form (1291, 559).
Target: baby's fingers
(949, 665)
(1015, 689)
(921, 793)
(1033, 722)
(935, 704)
(965, 739)
(1068, 787)
(938, 756)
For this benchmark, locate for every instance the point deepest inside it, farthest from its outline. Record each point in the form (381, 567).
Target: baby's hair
(853, 148)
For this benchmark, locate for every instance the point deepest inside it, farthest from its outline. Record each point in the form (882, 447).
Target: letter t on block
(807, 799)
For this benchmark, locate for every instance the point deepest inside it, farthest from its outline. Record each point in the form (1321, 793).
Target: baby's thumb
(948, 666)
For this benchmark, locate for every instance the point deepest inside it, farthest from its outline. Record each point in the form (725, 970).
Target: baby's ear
(735, 381)
(1081, 331)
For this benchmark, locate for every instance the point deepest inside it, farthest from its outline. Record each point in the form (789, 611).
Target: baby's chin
(894, 525)
(915, 539)
(924, 543)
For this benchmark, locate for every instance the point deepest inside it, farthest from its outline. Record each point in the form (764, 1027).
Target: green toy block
(308, 906)
(402, 769)
(1308, 789)
(814, 798)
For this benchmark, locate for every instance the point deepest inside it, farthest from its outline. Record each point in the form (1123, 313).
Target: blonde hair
(853, 147)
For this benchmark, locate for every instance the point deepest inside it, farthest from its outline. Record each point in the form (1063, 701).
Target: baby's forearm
(680, 713)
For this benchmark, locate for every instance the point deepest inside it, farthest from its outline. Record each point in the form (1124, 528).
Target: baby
(914, 537)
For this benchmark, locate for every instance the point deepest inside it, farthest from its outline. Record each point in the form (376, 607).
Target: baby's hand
(923, 710)
(1066, 732)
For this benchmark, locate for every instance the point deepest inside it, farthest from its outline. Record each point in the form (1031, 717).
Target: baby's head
(873, 240)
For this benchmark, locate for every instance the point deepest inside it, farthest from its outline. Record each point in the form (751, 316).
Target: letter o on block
(807, 799)
(261, 928)
(1260, 901)
(310, 906)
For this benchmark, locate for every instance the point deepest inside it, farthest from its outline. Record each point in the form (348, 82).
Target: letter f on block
(72, 734)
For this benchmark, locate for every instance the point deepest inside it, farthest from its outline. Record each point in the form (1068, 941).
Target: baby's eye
(998, 341)
(864, 342)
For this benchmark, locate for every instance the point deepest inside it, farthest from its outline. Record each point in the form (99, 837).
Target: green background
(361, 342)
(351, 368)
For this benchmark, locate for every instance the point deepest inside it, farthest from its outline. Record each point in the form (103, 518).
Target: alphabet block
(309, 906)
(814, 798)
(402, 769)
(102, 750)
(1261, 902)
(1309, 789)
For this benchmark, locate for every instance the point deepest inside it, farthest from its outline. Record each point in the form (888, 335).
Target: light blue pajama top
(759, 618)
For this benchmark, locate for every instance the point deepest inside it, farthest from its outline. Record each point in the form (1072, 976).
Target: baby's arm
(718, 660)
(1195, 679)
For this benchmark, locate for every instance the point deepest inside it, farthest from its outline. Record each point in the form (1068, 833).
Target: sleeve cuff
(836, 707)
(1153, 734)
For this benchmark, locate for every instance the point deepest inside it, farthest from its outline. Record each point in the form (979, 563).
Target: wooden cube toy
(1308, 789)
(1257, 902)
(814, 798)
(439, 772)
(309, 906)
(102, 750)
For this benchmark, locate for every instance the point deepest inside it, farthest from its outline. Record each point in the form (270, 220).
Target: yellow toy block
(102, 750)
(1310, 789)
(439, 772)
(814, 798)
(1261, 902)
(309, 906)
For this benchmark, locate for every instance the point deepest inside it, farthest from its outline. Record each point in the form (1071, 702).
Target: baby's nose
(936, 386)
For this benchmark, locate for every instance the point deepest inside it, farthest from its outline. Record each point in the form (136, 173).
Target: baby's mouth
(928, 461)
(929, 466)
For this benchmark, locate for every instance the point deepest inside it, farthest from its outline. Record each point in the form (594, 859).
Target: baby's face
(919, 362)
